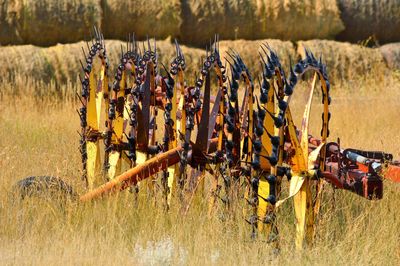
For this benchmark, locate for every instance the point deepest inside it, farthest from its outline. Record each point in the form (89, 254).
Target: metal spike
(83, 68)
(96, 34)
(84, 54)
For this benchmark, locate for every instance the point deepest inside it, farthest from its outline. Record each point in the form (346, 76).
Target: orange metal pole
(133, 176)
(136, 174)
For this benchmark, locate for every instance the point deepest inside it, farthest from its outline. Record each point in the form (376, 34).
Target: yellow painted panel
(115, 164)
(263, 190)
(92, 163)
(91, 115)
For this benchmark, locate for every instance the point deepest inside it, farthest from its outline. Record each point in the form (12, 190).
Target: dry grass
(39, 137)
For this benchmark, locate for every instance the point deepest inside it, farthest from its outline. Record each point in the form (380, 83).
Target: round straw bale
(259, 19)
(365, 18)
(344, 61)
(60, 63)
(391, 54)
(47, 22)
(152, 18)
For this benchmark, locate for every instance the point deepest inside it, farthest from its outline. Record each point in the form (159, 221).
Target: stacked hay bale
(60, 63)
(158, 19)
(391, 54)
(345, 61)
(364, 18)
(47, 22)
(259, 19)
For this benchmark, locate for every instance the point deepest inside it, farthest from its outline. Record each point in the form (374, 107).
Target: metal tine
(127, 110)
(234, 52)
(215, 43)
(180, 52)
(88, 47)
(259, 82)
(177, 48)
(238, 59)
(291, 70)
(206, 51)
(306, 51)
(128, 43)
(155, 47)
(258, 103)
(218, 42)
(262, 58)
(233, 58)
(102, 40)
(79, 97)
(96, 34)
(91, 37)
(83, 68)
(83, 51)
(134, 43)
(229, 62)
(166, 70)
(266, 45)
(229, 82)
(265, 52)
(144, 48)
(122, 51)
(148, 43)
(80, 78)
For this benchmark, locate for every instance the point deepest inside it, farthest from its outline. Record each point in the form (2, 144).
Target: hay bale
(25, 60)
(60, 63)
(249, 52)
(391, 54)
(364, 18)
(345, 61)
(47, 22)
(10, 16)
(259, 19)
(152, 18)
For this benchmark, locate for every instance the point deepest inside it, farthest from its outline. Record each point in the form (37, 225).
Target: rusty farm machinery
(237, 133)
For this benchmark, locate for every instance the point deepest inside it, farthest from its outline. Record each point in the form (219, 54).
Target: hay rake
(250, 139)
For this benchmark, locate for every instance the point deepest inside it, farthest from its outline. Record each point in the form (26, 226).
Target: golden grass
(38, 137)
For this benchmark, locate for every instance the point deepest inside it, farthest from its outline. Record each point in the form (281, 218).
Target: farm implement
(229, 127)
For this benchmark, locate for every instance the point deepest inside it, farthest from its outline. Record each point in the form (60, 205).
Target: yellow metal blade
(299, 162)
(100, 92)
(313, 156)
(263, 191)
(300, 209)
(296, 183)
(304, 215)
(306, 120)
(115, 164)
(269, 126)
(93, 163)
(91, 116)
